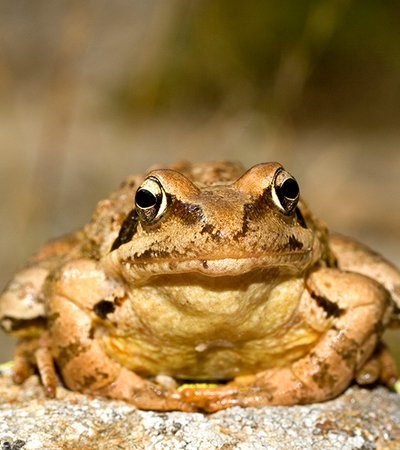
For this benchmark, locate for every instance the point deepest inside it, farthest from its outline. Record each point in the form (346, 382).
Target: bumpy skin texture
(213, 275)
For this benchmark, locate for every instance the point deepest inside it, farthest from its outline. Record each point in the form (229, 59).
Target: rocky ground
(359, 419)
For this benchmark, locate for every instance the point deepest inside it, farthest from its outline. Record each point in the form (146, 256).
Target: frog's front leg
(35, 353)
(83, 363)
(358, 307)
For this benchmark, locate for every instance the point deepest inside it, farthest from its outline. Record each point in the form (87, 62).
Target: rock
(359, 419)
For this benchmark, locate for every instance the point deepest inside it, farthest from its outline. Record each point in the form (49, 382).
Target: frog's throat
(293, 263)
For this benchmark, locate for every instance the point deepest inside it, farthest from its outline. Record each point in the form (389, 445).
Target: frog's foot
(273, 387)
(281, 386)
(381, 367)
(31, 354)
(144, 394)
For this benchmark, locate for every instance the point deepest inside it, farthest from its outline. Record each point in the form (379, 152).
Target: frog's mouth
(293, 263)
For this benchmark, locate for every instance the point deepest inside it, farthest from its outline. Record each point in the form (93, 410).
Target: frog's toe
(22, 370)
(381, 367)
(24, 362)
(388, 373)
(369, 372)
(212, 399)
(48, 375)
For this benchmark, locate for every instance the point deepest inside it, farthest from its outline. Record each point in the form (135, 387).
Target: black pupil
(290, 189)
(145, 199)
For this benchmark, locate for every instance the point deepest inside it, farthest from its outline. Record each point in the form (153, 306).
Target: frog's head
(229, 228)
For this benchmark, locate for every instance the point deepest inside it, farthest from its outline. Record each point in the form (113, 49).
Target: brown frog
(205, 274)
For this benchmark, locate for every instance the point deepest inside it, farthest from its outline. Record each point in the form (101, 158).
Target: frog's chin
(291, 263)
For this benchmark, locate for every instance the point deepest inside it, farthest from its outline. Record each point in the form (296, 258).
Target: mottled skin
(214, 276)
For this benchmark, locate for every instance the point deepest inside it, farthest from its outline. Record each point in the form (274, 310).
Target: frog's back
(205, 174)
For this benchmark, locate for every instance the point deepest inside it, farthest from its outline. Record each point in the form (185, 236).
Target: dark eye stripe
(128, 229)
(300, 218)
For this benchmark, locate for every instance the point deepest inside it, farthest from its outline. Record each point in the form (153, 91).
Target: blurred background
(92, 91)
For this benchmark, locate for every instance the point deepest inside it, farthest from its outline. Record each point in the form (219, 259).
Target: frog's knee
(347, 289)
(22, 309)
(84, 283)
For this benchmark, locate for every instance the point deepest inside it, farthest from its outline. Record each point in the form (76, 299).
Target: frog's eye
(150, 200)
(285, 191)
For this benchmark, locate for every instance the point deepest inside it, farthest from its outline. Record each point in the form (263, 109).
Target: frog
(199, 287)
